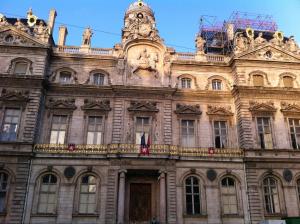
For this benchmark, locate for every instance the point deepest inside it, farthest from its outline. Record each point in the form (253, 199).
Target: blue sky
(177, 20)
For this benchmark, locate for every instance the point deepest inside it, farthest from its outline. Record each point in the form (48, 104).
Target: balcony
(132, 150)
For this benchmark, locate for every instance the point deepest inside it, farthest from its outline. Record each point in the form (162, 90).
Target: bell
(31, 20)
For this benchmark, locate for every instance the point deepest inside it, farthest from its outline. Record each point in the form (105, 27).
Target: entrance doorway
(140, 203)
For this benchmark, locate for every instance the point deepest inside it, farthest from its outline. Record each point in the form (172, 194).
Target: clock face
(145, 30)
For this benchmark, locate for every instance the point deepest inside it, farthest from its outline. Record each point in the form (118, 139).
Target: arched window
(258, 80)
(21, 67)
(65, 77)
(271, 196)
(229, 196)
(98, 79)
(186, 83)
(287, 81)
(3, 191)
(47, 194)
(192, 196)
(87, 195)
(216, 84)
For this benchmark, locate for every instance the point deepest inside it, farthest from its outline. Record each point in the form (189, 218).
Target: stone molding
(66, 104)
(219, 111)
(257, 108)
(143, 106)
(94, 105)
(289, 109)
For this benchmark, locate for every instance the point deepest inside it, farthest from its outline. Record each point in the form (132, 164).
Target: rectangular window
(99, 79)
(188, 133)
(142, 126)
(94, 130)
(264, 132)
(21, 68)
(59, 129)
(220, 131)
(295, 132)
(10, 124)
(65, 77)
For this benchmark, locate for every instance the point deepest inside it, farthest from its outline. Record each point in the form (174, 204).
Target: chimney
(51, 20)
(62, 35)
(230, 31)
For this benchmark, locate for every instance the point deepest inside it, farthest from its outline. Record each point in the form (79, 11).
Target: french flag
(144, 150)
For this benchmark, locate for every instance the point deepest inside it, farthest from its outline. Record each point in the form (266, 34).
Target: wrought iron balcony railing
(125, 149)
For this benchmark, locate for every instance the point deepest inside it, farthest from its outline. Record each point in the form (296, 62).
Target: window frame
(7, 190)
(277, 194)
(76, 202)
(3, 122)
(186, 83)
(136, 140)
(237, 196)
(20, 60)
(290, 134)
(259, 143)
(69, 118)
(56, 194)
(102, 126)
(292, 81)
(195, 122)
(201, 197)
(100, 75)
(219, 84)
(64, 72)
(258, 75)
(227, 132)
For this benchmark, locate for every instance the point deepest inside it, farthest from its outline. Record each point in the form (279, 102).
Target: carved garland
(94, 106)
(143, 106)
(61, 104)
(14, 98)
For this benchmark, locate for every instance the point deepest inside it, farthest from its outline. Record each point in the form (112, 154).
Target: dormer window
(65, 77)
(98, 79)
(258, 80)
(287, 81)
(21, 68)
(216, 84)
(186, 83)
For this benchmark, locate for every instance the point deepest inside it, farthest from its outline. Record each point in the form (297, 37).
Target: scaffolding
(215, 33)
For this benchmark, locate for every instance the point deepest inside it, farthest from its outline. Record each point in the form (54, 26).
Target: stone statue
(3, 21)
(86, 37)
(240, 44)
(276, 40)
(291, 45)
(144, 59)
(21, 26)
(260, 40)
(200, 44)
(41, 31)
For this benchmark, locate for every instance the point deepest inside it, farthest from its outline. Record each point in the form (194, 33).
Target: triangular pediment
(61, 104)
(269, 52)
(287, 108)
(13, 36)
(219, 111)
(143, 106)
(96, 105)
(262, 107)
(188, 109)
(13, 96)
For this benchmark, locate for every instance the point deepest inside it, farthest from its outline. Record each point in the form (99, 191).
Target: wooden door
(140, 203)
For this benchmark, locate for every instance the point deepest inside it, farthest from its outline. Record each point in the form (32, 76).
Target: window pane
(10, 124)
(21, 68)
(98, 79)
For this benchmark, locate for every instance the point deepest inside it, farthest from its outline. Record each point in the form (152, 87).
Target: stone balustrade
(80, 50)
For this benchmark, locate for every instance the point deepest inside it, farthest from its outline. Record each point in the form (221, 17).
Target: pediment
(143, 106)
(269, 52)
(257, 107)
(68, 104)
(288, 108)
(96, 105)
(12, 36)
(14, 96)
(188, 109)
(218, 111)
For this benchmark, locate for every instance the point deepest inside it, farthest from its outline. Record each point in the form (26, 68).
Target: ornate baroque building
(223, 129)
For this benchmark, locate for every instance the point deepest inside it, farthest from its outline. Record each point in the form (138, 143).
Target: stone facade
(222, 130)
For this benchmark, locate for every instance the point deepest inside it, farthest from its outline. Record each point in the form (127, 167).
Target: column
(162, 197)
(121, 197)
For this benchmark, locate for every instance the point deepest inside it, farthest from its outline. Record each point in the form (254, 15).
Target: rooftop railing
(119, 149)
(79, 50)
